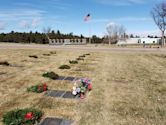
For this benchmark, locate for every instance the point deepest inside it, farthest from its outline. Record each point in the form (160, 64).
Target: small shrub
(46, 55)
(64, 67)
(73, 62)
(38, 88)
(53, 52)
(28, 116)
(51, 75)
(33, 56)
(5, 63)
(79, 58)
(88, 54)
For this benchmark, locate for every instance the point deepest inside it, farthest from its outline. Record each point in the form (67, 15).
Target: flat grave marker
(61, 94)
(55, 121)
(70, 78)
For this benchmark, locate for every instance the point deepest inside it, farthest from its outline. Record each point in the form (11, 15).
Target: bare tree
(159, 17)
(47, 32)
(115, 32)
(122, 32)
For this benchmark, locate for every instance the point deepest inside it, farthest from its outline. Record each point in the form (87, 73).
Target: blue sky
(68, 15)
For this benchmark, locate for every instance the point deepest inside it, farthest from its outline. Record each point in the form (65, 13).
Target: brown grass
(128, 88)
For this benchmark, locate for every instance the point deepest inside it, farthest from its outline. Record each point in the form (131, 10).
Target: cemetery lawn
(129, 88)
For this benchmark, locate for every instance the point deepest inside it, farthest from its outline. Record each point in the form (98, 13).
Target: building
(149, 40)
(140, 41)
(67, 41)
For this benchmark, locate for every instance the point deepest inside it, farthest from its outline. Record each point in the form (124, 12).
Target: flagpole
(90, 32)
(87, 19)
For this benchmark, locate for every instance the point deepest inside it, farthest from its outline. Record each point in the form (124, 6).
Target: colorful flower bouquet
(26, 116)
(81, 86)
(38, 88)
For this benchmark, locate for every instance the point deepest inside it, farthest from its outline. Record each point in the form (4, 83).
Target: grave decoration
(73, 62)
(53, 52)
(82, 56)
(28, 116)
(38, 88)
(82, 86)
(64, 67)
(5, 63)
(88, 54)
(33, 56)
(80, 59)
(46, 55)
(51, 75)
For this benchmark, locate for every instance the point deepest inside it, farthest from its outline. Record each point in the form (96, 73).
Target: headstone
(61, 78)
(62, 94)
(68, 78)
(70, 95)
(55, 121)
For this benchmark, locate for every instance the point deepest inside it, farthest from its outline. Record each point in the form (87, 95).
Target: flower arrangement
(46, 55)
(33, 56)
(81, 86)
(53, 52)
(51, 75)
(82, 56)
(88, 54)
(73, 62)
(5, 63)
(64, 67)
(38, 88)
(28, 116)
(80, 59)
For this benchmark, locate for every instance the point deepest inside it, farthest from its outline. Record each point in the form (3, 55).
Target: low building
(149, 40)
(67, 41)
(140, 41)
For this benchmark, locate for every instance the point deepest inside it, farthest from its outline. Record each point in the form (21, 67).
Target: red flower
(28, 116)
(45, 88)
(45, 84)
(89, 87)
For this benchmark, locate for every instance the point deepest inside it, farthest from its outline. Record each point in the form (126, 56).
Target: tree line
(41, 38)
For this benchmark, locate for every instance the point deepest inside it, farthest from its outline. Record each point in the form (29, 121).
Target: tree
(47, 32)
(159, 16)
(131, 36)
(115, 32)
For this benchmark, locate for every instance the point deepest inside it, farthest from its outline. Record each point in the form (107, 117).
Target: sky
(68, 16)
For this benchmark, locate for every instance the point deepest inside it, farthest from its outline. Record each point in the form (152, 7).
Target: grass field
(128, 88)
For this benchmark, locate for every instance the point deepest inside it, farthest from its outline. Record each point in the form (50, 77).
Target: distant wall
(67, 41)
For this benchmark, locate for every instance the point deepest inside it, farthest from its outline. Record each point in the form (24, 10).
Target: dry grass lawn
(128, 88)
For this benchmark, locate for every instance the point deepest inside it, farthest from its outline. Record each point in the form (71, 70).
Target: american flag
(87, 17)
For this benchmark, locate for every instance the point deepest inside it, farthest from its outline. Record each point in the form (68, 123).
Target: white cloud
(2, 25)
(99, 20)
(129, 19)
(123, 2)
(20, 14)
(36, 22)
(145, 33)
(135, 19)
(24, 24)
